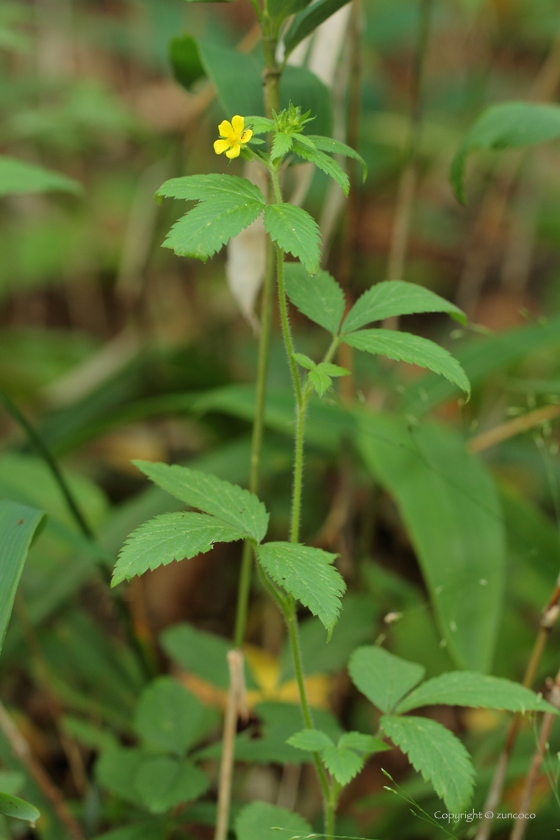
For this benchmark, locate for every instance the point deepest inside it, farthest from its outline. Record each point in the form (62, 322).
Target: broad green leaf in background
(395, 297)
(451, 511)
(335, 147)
(17, 177)
(116, 771)
(170, 537)
(200, 653)
(185, 60)
(163, 783)
(226, 501)
(168, 716)
(295, 231)
(480, 357)
(308, 574)
(308, 20)
(325, 164)
(355, 627)
(279, 9)
(469, 688)
(507, 125)
(19, 809)
(152, 830)
(318, 296)
(412, 349)
(261, 821)
(18, 527)
(383, 677)
(437, 754)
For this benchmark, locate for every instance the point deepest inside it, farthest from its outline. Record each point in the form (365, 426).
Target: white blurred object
(246, 259)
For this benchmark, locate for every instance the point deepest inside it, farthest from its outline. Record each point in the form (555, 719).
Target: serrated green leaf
(170, 537)
(335, 147)
(507, 125)
(168, 716)
(18, 526)
(470, 688)
(318, 296)
(18, 177)
(393, 298)
(326, 164)
(413, 349)
(163, 782)
(261, 821)
(320, 381)
(307, 574)
(383, 677)
(342, 763)
(259, 125)
(281, 145)
(311, 740)
(307, 21)
(211, 187)
(226, 501)
(305, 361)
(19, 809)
(295, 231)
(437, 754)
(209, 225)
(362, 743)
(332, 370)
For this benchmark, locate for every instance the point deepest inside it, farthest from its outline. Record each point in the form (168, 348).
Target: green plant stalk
(39, 444)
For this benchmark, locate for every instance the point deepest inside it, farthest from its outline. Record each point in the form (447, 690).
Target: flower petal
(221, 145)
(246, 136)
(234, 151)
(225, 129)
(238, 124)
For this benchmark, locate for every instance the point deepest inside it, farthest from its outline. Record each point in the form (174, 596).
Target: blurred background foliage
(116, 349)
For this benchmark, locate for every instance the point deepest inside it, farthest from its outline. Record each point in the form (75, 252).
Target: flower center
(234, 138)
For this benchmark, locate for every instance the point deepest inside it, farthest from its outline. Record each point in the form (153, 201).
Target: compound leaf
(318, 296)
(308, 574)
(362, 743)
(437, 754)
(169, 537)
(413, 349)
(383, 677)
(342, 763)
(226, 501)
(311, 740)
(470, 688)
(395, 297)
(295, 231)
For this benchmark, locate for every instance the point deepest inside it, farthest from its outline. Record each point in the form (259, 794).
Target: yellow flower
(233, 137)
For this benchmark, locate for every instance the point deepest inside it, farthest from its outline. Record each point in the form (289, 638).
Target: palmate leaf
(203, 231)
(318, 296)
(307, 574)
(295, 231)
(437, 754)
(470, 688)
(169, 537)
(261, 821)
(507, 125)
(326, 164)
(395, 297)
(228, 502)
(383, 677)
(335, 147)
(413, 349)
